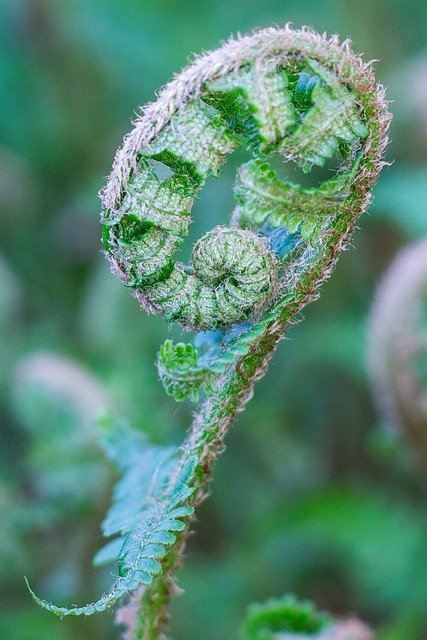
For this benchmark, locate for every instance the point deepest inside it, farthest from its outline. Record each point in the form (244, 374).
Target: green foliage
(64, 457)
(332, 118)
(262, 198)
(263, 88)
(179, 371)
(147, 512)
(284, 618)
(288, 619)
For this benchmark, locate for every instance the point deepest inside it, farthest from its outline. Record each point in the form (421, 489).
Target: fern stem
(205, 439)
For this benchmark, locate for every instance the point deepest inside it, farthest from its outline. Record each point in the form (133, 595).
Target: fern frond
(291, 92)
(334, 117)
(397, 349)
(263, 87)
(262, 198)
(148, 512)
(180, 372)
(195, 137)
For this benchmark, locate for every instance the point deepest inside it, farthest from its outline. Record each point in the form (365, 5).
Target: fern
(146, 515)
(275, 618)
(288, 619)
(397, 349)
(290, 92)
(332, 118)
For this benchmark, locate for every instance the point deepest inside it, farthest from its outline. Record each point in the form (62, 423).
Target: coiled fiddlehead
(294, 93)
(266, 97)
(397, 349)
(278, 91)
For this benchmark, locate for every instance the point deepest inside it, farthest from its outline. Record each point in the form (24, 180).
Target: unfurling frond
(293, 93)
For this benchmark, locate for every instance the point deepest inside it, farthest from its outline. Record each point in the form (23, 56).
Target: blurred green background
(311, 496)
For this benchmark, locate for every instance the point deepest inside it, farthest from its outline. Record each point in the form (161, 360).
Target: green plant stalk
(211, 425)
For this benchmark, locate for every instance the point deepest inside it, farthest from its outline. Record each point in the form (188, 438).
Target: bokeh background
(313, 495)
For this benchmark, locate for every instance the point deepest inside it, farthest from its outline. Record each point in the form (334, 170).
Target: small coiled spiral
(233, 272)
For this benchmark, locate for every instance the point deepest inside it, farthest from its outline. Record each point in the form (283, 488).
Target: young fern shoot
(278, 91)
